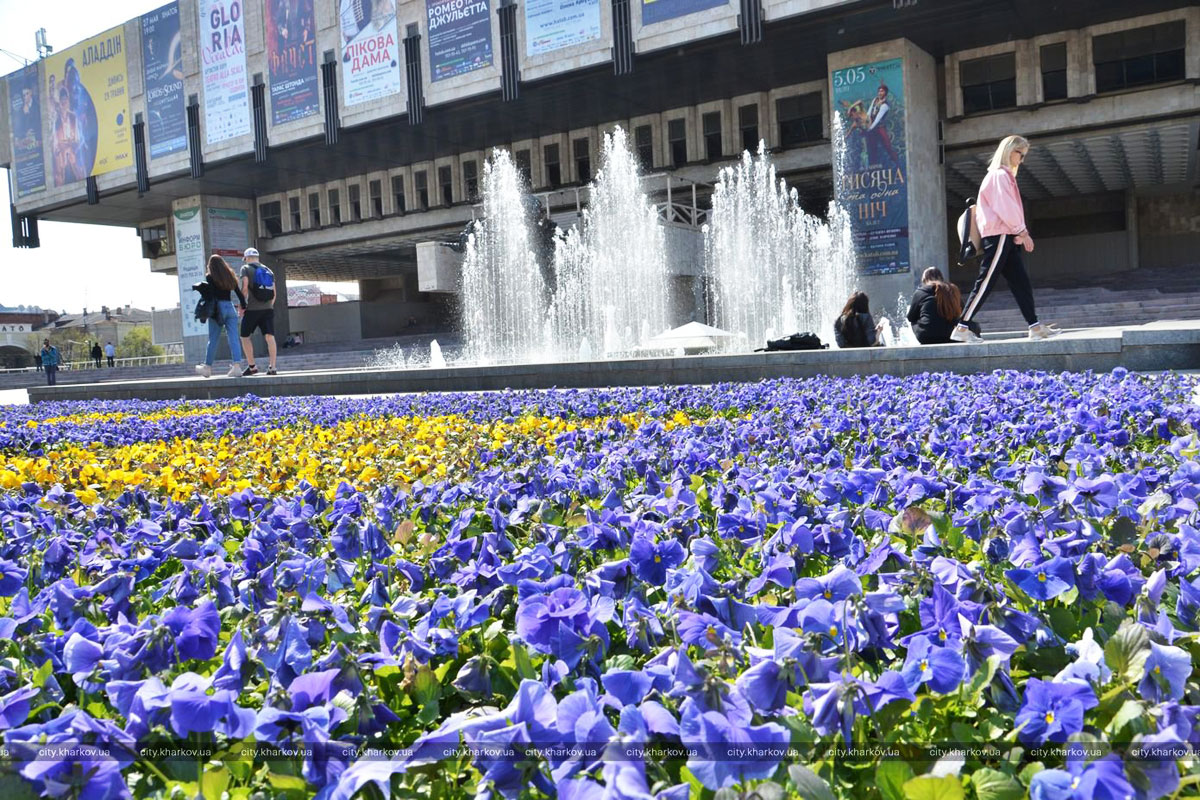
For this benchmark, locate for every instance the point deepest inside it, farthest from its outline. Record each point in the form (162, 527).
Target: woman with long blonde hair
(1001, 219)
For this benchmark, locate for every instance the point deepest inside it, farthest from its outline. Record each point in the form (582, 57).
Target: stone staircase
(1131, 298)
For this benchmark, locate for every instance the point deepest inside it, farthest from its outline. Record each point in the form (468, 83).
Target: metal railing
(139, 361)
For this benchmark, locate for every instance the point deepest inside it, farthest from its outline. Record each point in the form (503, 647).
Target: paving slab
(1156, 346)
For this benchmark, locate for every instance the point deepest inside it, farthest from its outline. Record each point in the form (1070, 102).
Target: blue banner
(25, 127)
(662, 10)
(460, 37)
(292, 60)
(873, 187)
(162, 66)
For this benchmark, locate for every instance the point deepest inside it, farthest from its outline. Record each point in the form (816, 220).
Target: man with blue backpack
(258, 287)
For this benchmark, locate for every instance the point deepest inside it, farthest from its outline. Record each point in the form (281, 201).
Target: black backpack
(797, 341)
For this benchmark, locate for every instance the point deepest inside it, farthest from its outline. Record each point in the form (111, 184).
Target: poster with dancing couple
(873, 181)
(87, 97)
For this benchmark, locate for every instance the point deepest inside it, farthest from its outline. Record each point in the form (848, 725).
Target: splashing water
(773, 267)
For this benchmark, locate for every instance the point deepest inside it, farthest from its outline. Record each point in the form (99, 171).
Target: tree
(137, 344)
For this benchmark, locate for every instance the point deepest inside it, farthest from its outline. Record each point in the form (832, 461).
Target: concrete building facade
(347, 187)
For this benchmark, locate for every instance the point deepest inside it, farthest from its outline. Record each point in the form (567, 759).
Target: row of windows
(1122, 60)
(799, 122)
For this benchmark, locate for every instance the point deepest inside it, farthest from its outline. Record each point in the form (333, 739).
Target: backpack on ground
(262, 283)
(970, 242)
(796, 341)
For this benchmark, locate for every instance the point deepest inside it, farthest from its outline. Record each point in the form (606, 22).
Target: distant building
(105, 325)
(17, 323)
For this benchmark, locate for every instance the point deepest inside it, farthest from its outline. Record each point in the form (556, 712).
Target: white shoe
(234, 371)
(204, 370)
(964, 334)
(1040, 330)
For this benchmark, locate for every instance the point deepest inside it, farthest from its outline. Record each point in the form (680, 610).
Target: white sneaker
(234, 371)
(1040, 330)
(964, 334)
(204, 370)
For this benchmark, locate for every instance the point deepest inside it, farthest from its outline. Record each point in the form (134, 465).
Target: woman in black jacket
(855, 327)
(935, 308)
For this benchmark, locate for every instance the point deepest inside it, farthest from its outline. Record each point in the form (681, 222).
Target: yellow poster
(87, 102)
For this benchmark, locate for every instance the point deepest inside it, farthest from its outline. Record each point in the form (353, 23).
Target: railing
(139, 361)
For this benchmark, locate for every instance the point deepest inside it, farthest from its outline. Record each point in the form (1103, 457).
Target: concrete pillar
(1131, 228)
(205, 225)
(898, 210)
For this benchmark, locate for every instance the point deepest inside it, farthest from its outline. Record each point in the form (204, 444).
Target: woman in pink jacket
(1001, 220)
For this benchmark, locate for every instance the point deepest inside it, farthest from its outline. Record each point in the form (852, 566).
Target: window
(355, 202)
(446, 184)
(398, 194)
(375, 188)
(1054, 71)
(471, 178)
(643, 140)
(553, 169)
(524, 165)
(271, 216)
(799, 119)
(335, 206)
(294, 210)
(314, 209)
(711, 123)
(677, 141)
(748, 126)
(989, 84)
(1142, 56)
(582, 151)
(421, 184)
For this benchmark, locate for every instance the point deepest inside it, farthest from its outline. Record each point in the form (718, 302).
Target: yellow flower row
(363, 451)
(99, 417)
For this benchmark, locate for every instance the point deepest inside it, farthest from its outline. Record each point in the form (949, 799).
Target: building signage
(873, 181)
(223, 64)
(554, 24)
(370, 51)
(162, 64)
(25, 128)
(87, 95)
(460, 37)
(14, 328)
(190, 262)
(229, 234)
(292, 59)
(662, 10)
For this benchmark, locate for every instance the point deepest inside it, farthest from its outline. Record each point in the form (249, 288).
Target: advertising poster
(162, 62)
(190, 261)
(223, 64)
(370, 50)
(554, 24)
(25, 114)
(292, 59)
(662, 10)
(460, 37)
(873, 186)
(87, 98)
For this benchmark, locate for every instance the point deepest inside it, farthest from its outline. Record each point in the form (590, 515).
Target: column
(891, 182)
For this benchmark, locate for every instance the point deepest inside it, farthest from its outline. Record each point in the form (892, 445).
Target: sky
(77, 266)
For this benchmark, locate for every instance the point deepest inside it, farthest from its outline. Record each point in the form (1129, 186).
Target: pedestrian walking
(96, 353)
(50, 362)
(258, 287)
(220, 283)
(1001, 219)
(111, 353)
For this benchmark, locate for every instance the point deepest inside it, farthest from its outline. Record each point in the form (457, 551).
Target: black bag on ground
(796, 341)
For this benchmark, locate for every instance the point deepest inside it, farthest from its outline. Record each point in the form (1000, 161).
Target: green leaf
(982, 679)
(287, 783)
(927, 787)
(1062, 621)
(42, 673)
(809, 785)
(992, 784)
(1126, 652)
(1129, 711)
(214, 781)
(14, 787)
(523, 662)
(1026, 775)
(890, 778)
(425, 686)
(767, 791)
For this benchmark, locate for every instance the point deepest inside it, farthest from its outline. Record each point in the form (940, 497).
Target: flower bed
(932, 587)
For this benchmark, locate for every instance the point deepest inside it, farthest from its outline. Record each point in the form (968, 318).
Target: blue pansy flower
(724, 753)
(652, 559)
(1046, 580)
(940, 667)
(1167, 671)
(1102, 779)
(1053, 711)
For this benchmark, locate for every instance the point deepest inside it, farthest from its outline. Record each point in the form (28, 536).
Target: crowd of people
(937, 313)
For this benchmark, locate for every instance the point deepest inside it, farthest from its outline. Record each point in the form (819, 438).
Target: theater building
(341, 137)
